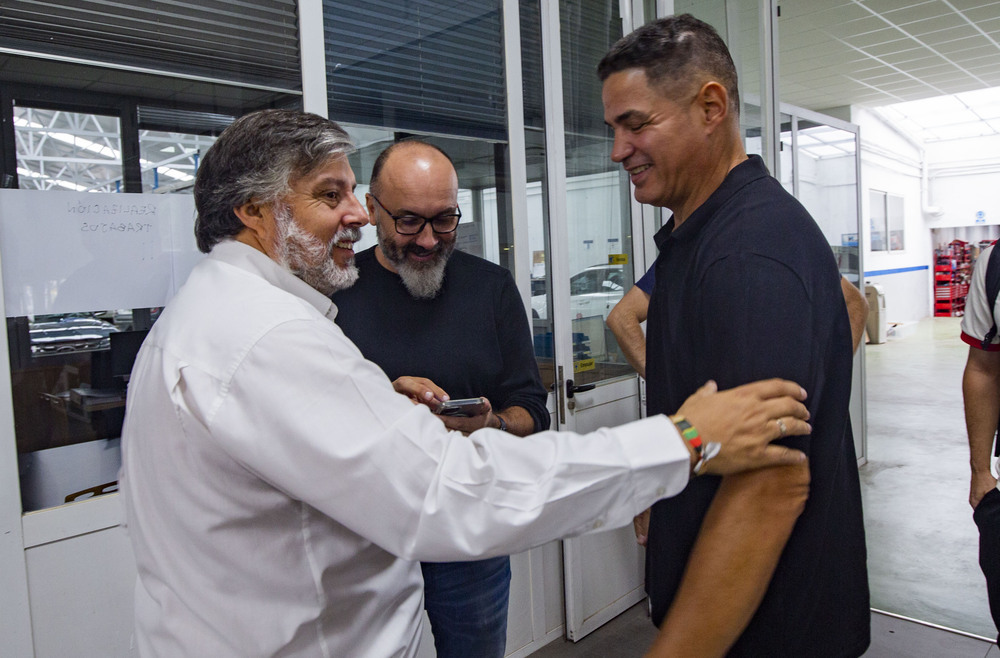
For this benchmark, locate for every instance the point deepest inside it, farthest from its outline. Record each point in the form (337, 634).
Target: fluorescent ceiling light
(100, 149)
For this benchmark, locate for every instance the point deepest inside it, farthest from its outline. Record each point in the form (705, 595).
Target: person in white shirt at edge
(279, 493)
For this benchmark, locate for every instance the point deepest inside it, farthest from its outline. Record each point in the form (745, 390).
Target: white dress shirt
(278, 492)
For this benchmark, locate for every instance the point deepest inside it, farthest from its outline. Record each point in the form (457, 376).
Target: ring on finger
(782, 428)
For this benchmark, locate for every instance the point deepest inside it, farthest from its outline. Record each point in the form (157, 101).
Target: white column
(312, 52)
(15, 618)
(518, 157)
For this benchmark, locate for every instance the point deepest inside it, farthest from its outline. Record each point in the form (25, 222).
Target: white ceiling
(960, 116)
(880, 52)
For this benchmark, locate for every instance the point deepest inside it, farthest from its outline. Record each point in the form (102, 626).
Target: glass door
(591, 265)
(819, 165)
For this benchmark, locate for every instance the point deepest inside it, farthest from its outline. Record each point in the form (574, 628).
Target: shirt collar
(745, 172)
(245, 257)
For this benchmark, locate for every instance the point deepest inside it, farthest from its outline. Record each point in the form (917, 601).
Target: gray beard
(421, 281)
(308, 258)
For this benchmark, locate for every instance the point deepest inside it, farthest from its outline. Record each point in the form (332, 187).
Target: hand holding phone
(465, 407)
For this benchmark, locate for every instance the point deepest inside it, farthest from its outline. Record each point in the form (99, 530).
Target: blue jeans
(467, 606)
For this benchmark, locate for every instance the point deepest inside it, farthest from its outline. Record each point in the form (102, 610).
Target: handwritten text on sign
(64, 252)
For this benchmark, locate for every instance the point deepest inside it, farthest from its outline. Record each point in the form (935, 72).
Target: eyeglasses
(413, 224)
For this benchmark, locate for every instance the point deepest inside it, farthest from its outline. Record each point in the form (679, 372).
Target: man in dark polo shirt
(771, 562)
(453, 325)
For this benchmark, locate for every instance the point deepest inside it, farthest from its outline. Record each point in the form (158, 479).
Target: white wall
(827, 188)
(889, 163)
(965, 177)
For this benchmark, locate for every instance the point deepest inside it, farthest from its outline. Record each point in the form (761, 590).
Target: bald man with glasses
(444, 324)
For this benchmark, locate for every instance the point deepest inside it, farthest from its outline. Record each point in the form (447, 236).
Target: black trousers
(987, 517)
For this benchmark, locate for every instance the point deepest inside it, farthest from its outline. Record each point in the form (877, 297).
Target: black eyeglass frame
(424, 220)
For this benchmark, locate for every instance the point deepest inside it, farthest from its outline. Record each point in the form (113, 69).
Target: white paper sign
(66, 252)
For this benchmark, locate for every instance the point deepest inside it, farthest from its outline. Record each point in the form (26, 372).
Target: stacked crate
(952, 268)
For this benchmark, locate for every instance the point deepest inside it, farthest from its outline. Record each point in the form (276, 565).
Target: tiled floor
(922, 542)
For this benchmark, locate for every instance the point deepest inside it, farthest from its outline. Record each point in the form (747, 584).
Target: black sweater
(472, 339)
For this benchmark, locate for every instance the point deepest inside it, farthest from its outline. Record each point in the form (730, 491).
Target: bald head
(410, 157)
(414, 179)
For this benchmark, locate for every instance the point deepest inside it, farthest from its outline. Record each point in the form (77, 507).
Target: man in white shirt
(279, 492)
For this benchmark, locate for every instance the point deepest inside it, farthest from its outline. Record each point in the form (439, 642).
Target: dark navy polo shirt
(746, 289)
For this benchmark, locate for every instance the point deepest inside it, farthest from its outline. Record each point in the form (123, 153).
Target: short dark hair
(383, 157)
(673, 51)
(256, 158)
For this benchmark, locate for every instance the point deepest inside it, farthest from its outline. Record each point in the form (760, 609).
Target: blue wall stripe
(898, 270)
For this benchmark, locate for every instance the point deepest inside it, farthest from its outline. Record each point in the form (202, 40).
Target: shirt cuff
(658, 456)
(978, 343)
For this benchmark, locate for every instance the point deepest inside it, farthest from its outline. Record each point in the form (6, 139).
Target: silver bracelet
(709, 450)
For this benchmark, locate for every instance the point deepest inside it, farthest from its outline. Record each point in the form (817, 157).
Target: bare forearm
(741, 539)
(624, 321)
(857, 310)
(633, 343)
(981, 390)
(518, 420)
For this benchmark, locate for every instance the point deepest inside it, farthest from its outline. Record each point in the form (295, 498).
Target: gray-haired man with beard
(446, 324)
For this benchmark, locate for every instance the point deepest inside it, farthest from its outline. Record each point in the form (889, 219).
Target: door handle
(571, 388)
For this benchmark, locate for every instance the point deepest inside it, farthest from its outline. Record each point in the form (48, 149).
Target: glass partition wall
(389, 79)
(101, 132)
(597, 194)
(819, 163)
(72, 339)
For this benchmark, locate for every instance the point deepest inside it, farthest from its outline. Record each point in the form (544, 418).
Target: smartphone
(464, 408)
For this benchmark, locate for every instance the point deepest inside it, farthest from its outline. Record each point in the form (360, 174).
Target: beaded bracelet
(704, 451)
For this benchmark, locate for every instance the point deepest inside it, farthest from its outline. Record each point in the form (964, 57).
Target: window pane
(68, 375)
(786, 156)
(827, 187)
(431, 71)
(877, 218)
(81, 272)
(169, 160)
(538, 190)
(59, 150)
(479, 233)
(894, 207)
(417, 65)
(598, 201)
